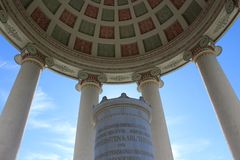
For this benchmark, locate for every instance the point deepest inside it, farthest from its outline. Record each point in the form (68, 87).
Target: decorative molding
(82, 75)
(3, 16)
(81, 85)
(64, 68)
(187, 56)
(30, 47)
(88, 80)
(149, 82)
(221, 23)
(205, 41)
(102, 78)
(30, 54)
(123, 101)
(205, 44)
(104, 99)
(136, 76)
(49, 62)
(230, 6)
(216, 50)
(148, 77)
(172, 65)
(11, 31)
(119, 78)
(155, 71)
(123, 95)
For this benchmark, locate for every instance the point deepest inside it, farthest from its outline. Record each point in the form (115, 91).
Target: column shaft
(15, 113)
(225, 101)
(84, 143)
(161, 142)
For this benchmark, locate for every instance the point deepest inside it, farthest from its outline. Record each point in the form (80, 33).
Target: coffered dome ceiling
(115, 37)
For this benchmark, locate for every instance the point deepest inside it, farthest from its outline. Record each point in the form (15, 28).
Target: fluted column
(15, 113)
(148, 85)
(84, 144)
(224, 100)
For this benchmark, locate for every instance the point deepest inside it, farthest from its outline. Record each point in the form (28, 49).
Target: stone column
(84, 144)
(224, 100)
(15, 113)
(148, 85)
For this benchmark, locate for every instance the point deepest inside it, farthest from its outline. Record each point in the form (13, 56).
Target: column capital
(30, 54)
(88, 80)
(145, 78)
(205, 46)
(216, 50)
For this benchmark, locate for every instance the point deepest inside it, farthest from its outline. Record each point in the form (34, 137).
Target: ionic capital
(205, 47)
(148, 78)
(207, 51)
(30, 54)
(89, 80)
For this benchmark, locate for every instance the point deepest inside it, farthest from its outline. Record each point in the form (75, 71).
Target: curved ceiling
(110, 28)
(116, 37)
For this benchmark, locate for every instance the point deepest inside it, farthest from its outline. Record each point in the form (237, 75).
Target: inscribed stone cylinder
(123, 130)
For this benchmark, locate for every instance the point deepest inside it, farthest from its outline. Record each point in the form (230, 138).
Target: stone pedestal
(14, 116)
(149, 87)
(123, 130)
(84, 142)
(225, 101)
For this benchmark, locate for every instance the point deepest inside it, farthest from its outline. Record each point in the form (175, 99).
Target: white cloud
(63, 131)
(176, 149)
(182, 151)
(41, 102)
(41, 156)
(8, 65)
(2, 64)
(175, 120)
(68, 150)
(38, 124)
(67, 130)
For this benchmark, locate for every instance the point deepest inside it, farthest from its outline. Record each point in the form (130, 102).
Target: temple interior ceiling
(110, 28)
(115, 37)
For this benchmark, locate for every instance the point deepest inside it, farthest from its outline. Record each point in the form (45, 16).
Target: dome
(115, 38)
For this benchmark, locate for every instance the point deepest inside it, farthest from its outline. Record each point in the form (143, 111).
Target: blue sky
(193, 127)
